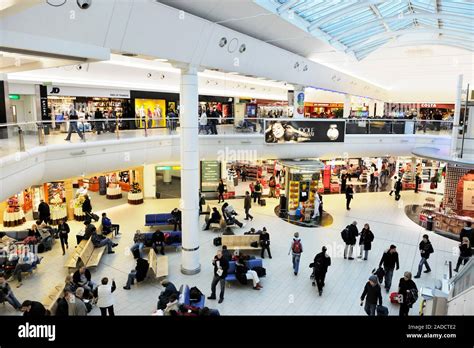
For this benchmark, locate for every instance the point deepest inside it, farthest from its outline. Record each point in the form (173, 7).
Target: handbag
(254, 244)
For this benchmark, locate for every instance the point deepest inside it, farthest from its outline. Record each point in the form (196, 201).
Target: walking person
(394, 182)
(408, 292)
(243, 174)
(426, 249)
(296, 249)
(247, 205)
(372, 294)
(73, 118)
(44, 212)
(398, 188)
(320, 267)
(343, 182)
(99, 123)
(105, 297)
(221, 266)
(264, 240)
(349, 235)
(272, 186)
(257, 192)
(389, 261)
(349, 196)
(417, 182)
(365, 241)
(220, 191)
(63, 231)
(465, 253)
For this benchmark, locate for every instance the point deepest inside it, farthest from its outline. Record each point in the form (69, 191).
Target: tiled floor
(283, 293)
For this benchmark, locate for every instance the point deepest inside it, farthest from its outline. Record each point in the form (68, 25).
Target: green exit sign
(14, 96)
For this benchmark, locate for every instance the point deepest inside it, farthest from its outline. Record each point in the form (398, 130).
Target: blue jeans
(138, 246)
(370, 308)
(106, 242)
(11, 299)
(296, 262)
(423, 261)
(388, 278)
(73, 126)
(131, 278)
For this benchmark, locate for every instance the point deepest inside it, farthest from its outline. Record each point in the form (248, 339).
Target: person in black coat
(33, 309)
(99, 117)
(63, 231)
(220, 191)
(349, 238)
(158, 240)
(87, 207)
(320, 267)
(138, 274)
(214, 219)
(44, 212)
(264, 240)
(465, 253)
(89, 231)
(372, 295)
(389, 261)
(343, 182)
(82, 278)
(365, 241)
(405, 286)
(242, 271)
(165, 295)
(417, 182)
(467, 232)
(349, 196)
(426, 249)
(226, 254)
(221, 266)
(176, 219)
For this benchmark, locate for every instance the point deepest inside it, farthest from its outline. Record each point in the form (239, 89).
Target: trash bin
(429, 223)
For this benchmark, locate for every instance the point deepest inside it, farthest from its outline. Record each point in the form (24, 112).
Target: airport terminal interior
(238, 157)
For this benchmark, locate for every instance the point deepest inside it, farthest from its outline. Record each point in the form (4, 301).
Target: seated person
(166, 294)
(176, 219)
(69, 283)
(6, 294)
(158, 240)
(206, 311)
(215, 218)
(80, 294)
(108, 226)
(139, 242)
(25, 264)
(33, 309)
(90, 228)
(82, 278)
(242, 273)
(229, 215)
(226, 254)
(172, 306)
(99, 240)
(138, 274)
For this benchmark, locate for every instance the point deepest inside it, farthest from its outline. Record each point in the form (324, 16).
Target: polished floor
(283, 292)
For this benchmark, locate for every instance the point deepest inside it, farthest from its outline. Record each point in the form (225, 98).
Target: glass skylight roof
(359, 27)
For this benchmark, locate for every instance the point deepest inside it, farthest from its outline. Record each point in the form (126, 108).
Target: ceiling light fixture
(242, 48)
(222, 42)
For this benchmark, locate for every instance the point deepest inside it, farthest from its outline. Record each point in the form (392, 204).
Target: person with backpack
(247, 205)
(296, 248)
(426, 249)
(398, 188)
(349, 196)
(320, 267)
(63, 232)
(220, 191)
(389, 261)
(408, 293)
(349, 235)
(264, 240)
(371, 294)
(365, 241)
(257, 194)
(465, 253)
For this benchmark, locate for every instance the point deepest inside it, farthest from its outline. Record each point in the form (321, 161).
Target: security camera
(148, 75)
(79, 67)
(84, 4)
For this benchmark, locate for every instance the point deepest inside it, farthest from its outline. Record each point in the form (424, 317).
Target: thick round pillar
(189, 171)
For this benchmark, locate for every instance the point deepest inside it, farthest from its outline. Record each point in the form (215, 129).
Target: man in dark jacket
(389, 261)
(44, 212)
(214, 219)
(372, 294)
(63, 231)
(320, 267)
(467, 232)
(176, 219)
(158, 240)
(265, 242)
(82, 278)
(33, 309)
(349, 235)
(87, 207)
(226, 254)
(426, 249)
(90, 229)
(349, 196)
(398, 187)
(99, 240)
(165, 295)
(406, 288)
(221, 266)
(247, 205)
(99, 117)
(138, 274)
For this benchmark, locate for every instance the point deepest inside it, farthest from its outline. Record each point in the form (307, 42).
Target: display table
(114, 192)
(79, 214)
(124, 186)
(13, 219)
(94, 185)
(450, 225)
(135, 198)
(58, 213)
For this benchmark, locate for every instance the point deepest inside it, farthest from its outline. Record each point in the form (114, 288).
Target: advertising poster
(307, 131)
(210, 175)
(151, 111)
(468, 196)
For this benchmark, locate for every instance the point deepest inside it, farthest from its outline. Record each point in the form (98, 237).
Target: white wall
(313, 95)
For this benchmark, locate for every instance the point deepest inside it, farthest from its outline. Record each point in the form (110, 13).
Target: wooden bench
(85, 254)
(53, 296)
(158, 265)
(240, 242)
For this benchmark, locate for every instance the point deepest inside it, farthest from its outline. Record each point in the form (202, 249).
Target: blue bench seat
(157, 219)
(251, 264)
(149, 235)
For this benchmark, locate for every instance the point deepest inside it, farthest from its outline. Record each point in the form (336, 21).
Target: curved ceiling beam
(286, 6)
(442, 42)
(376, 22)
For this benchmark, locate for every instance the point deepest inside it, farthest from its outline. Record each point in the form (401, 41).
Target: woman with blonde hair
(465, 253)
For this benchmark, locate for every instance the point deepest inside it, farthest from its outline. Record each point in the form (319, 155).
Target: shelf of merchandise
(105, 104)
(429, 206)
(294, 195)
(253, 171)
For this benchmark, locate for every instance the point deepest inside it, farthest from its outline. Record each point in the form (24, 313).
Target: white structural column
(457, 115)
(149, 181)
(371, 107)
(167, 176)
(347, 105)
(189, 170)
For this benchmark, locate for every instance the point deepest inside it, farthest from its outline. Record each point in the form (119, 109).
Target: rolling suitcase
(382, 311)
(262, 202)
(217, 241)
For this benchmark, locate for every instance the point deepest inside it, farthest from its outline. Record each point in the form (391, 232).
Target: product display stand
(135, 198)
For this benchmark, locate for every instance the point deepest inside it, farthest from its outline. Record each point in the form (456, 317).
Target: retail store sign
(87, 92)
(210, 175)
(428, 105)
(308, 131)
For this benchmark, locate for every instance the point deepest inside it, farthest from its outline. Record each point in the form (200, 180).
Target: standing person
(372, 294)
(272, 186)
(296, 249)
(257, 192)
(349, 235)
(417, 182)
(389, 261)
(398, 188)
(203, 123)
(343, 182)
(108, 226)
(73, 118)
(243, 174)
(320, 267)
(6, 293)
(63, 231)
(365, 241)
(215, 120)
(467, 232)
(264, 240)
(394, 182)
(465, 253)
(220, 191)
(87, 207)
(426, 249)
(105, 297)
(252, 190)
(247, 206)
(349, 196)
(221, 266)
(202, 201)
(44, 212)
(408, 292)
(98, 117)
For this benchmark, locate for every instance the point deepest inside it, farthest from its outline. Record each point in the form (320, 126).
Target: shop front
(150, 108)
(223, 105)
(323, 110)
(272, 108)
(431, 111)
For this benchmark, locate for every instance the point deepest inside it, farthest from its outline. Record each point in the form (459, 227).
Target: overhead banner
(307, 131)
(298, 104)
